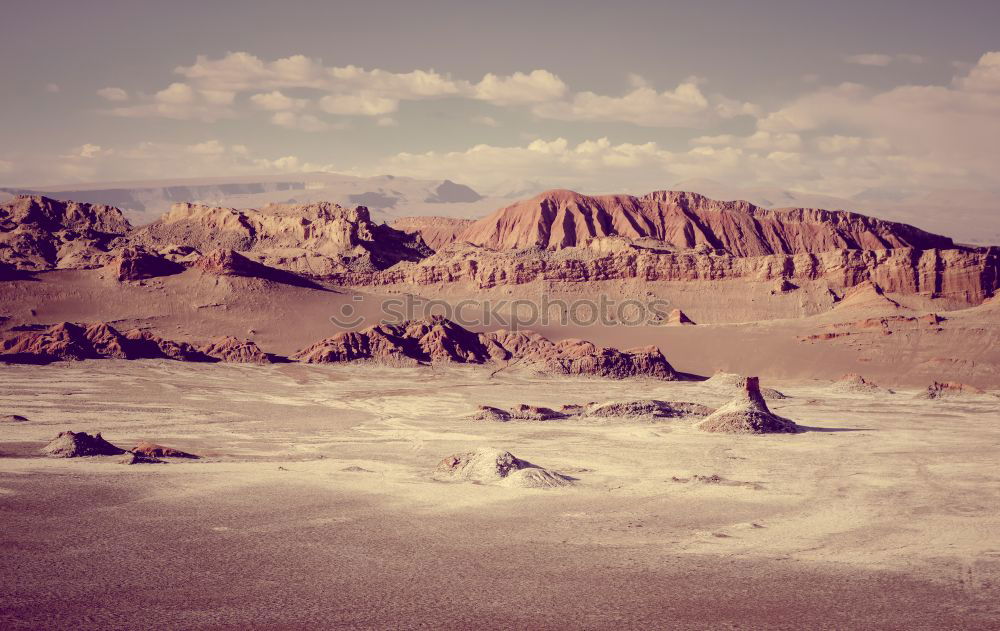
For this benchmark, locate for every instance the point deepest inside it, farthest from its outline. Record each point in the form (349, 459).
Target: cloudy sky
(831, 97)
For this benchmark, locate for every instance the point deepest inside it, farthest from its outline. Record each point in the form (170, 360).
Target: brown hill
(315, 239)
(38, 233)
(561, 219)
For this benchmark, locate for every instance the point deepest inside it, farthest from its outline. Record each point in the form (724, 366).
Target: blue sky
(827, 97)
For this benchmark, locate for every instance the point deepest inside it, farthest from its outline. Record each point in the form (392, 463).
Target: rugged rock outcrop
(747, 414)
(646, 408)
(315, 239)
(440, 339)
(137, 263)
(38, 233)
(68, 341)
(234, 350)
(148, 345)
(964, 277)
(494, 466)
(561, 219)
(78, 444)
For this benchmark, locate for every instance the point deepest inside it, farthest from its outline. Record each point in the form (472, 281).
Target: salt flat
(314, 505)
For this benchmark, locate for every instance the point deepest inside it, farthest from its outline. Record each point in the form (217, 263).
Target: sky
(827, 97)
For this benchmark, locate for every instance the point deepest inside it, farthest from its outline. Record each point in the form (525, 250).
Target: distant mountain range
(968, 216)
(385, 196)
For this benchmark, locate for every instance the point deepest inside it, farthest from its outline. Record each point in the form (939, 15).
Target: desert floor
(314, 506)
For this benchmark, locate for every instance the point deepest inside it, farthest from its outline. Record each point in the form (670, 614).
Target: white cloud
(537, 86)
(947, 130)
(207, 148)
(276, 101)
(89, 151)
(489, 121)
(301, 122)
(176, 94)
(180, 101)
(113, 94)
(984, 76)
(684, 106)
(869, 59)
(882, 59)
(387, 121)
(361, 104)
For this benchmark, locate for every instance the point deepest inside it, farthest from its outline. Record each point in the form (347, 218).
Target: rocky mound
(78, 444)
(646, 408)
(439, 339)
(856, 384)
(67, 341)
(562, 219)
(493, 466)
(38, 233)
(13, 418)
(490, 413)
(234, 350)
(132, 457)
(629, 409)
(952, 389)
(747, 414)
(315, 239)
(152, 450)
(147, 345)
(732, 381)
(137, 263)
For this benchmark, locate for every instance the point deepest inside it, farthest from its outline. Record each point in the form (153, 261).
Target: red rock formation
(67, 341)
(235, 350)
(224, 262)
(63, 341)
(38, 233)
(560, 219)
(439, 339)
(965, 276)
(150, 346)
(137, 263)
(152, 450)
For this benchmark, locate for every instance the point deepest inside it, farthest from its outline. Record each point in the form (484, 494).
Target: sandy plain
(314, 505)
